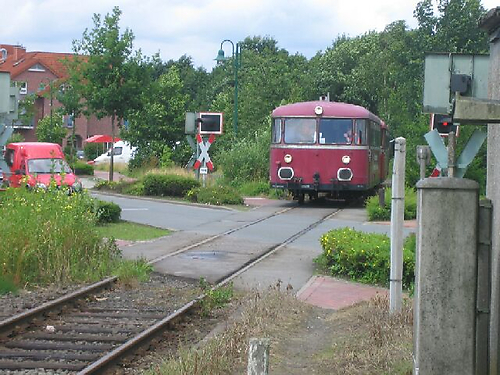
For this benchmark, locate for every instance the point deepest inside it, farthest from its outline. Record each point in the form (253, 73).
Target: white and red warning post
(203, 124)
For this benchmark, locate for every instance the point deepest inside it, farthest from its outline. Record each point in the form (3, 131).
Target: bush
(216, 195)
(247, 160)
(51, 237)
(107, 212)
(364, 257)
(81, 168)
(168, 185)
(93, 150)
(255, 188)
(377, 213)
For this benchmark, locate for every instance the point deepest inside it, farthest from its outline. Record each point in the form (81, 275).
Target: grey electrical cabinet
(448, 73)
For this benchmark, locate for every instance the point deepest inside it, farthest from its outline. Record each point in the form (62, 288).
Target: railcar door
(374, 153)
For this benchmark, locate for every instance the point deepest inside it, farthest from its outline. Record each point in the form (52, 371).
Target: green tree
(114, 77)
(51, 129)
(159, 125)
(71, 93)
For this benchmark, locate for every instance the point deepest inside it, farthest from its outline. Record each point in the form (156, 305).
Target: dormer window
(37, 68)
(3, 54)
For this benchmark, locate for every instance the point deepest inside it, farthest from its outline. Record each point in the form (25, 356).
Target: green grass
(125, 230)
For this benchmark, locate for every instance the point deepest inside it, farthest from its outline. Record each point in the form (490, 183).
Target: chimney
(19, 52)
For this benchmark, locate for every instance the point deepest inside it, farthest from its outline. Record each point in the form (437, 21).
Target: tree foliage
(114, 77)
(382, 71)
(51, 129)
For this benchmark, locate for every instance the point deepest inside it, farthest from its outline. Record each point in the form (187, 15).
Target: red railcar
(327, 147)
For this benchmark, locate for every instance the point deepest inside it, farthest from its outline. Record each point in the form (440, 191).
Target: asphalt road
(292, 265)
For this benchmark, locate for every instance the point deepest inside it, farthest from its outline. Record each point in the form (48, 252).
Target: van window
(117, 150)
(46, 166)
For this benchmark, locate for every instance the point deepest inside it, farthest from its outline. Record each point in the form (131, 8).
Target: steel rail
(139, 339)
(10, 323)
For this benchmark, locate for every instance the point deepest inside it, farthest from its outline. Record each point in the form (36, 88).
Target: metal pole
(452, 145)
(236, 57)
(397, 220)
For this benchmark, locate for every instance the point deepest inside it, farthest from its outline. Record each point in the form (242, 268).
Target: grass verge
(125, 230)
(363, 339)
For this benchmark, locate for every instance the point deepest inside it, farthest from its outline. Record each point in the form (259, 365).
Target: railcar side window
(276, 131)
(300, 130)
(360, 135)
(335, 131)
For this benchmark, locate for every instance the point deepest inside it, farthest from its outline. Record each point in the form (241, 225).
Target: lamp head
(220, 57)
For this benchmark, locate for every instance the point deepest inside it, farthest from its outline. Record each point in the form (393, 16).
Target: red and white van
(36, 164)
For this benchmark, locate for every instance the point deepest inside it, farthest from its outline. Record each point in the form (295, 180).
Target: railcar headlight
(40, 185)
(346, 159)
(288, 158)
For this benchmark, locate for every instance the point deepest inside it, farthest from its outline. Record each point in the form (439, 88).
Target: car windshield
(46, 166)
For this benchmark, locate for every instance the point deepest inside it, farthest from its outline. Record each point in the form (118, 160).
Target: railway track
(94, 328)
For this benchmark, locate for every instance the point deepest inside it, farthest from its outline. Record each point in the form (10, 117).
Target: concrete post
(491, 23)
(397, 221)
(258, 357)
(446, 271)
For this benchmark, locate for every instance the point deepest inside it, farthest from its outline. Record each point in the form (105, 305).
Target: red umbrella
(101, 138)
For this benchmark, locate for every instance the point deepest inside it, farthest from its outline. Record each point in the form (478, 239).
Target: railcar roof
(330, 109)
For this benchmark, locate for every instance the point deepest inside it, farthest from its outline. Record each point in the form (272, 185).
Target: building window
(37, 68)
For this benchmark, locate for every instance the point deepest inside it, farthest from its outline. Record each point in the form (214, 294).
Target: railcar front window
(300, 130)
(47, 166)
(276, 131)
(335, 131)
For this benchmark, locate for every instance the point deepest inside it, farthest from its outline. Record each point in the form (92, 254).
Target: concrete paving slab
(330, 293)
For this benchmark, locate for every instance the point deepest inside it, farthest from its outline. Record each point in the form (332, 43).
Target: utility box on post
(448, 73)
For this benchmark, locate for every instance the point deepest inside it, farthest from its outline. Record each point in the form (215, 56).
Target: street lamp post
(236, 50)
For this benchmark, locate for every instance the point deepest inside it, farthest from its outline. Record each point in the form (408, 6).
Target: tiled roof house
(33, 72)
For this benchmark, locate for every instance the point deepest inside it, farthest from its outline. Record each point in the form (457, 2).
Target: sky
(196, 28)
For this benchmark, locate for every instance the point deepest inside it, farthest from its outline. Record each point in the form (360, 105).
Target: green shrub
(216, 195)
(84, 169)
(51, 237)
(131, 271)
(377, 213)
(93, 150)
(107, 212)
(364, 257)
(248, 159)
(215, 298)
(168, 185)
(255, 188)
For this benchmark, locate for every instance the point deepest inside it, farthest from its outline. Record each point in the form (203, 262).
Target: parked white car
(123, 152)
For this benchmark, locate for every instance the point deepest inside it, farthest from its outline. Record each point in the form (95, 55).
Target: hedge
(168, 185)
(364, 257)
(107, 212)
(83, 169)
